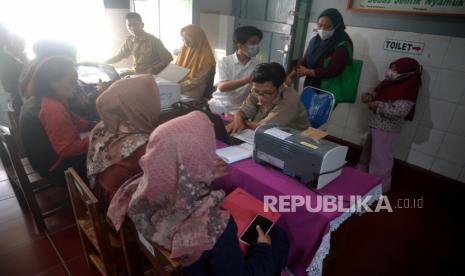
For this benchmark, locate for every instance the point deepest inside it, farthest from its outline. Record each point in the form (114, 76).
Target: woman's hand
(366, 97)
(262, 237)
(373, 105)
(221, 168)
(304, 71)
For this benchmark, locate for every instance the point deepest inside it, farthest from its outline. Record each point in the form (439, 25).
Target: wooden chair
(159, 258)
(24, 178)
(99, 243)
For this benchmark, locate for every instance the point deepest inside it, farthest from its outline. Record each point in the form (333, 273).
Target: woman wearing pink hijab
(173, 205)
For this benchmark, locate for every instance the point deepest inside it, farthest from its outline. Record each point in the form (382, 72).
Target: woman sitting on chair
(173, 205)
(50, 132)
(129, 109)
(196, 55)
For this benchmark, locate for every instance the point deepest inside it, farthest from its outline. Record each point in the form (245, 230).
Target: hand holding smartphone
(251, 234)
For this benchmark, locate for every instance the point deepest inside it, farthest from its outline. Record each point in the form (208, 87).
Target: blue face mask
(253, 50)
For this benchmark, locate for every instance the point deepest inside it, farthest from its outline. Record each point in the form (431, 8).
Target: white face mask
(325, 34)
(252, 50)
(391, 75)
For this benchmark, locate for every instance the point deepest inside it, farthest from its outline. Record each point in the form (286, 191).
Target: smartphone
(250, 235)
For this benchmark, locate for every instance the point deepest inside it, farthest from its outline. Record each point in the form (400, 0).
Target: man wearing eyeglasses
(269, 102)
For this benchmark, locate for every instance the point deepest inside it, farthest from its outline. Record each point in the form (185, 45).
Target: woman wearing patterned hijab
(129, 110)
(332, 42)
(173, 204)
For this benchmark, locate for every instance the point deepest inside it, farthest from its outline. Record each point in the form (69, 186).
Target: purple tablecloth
(305, 229)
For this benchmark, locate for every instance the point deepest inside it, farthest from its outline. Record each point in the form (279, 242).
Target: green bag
(345, 85)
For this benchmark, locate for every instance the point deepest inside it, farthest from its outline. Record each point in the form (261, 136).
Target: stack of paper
(173, 73)
(235, 153)
(247, 135)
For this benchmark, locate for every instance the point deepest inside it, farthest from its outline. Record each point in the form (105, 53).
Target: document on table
(235, 153)
(173, 73)
(247, 135)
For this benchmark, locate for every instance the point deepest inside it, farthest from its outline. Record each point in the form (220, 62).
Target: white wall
(435, 140)
(116, 19)
(216, 6)
(219, 29)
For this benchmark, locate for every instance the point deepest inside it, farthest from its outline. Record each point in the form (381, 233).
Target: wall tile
(446, 168)
(450, 85)
(435, 49)
(457, 126)
(427, 140)
(360, 43)
(358, 117)
(353, 136)
(455, 58)
(373, 70)
(428, 79)
(336, 130)
(420, 159)
(462, 175)
(420, 107)
(375, 41)
(407, 134)
(401, 153)
(340, 114)
(438, 114)
(453, 149)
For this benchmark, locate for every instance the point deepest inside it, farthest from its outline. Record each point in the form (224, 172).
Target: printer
(170, 92)
(314, 163)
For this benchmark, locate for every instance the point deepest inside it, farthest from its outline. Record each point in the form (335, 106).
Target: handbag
(345, 85)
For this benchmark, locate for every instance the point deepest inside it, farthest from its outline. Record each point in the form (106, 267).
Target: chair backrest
(319, 105)
(13, 117)
(93, 230)
(14, 166)
(210, 88)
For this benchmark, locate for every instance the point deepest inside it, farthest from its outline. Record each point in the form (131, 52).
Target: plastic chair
(319, 105)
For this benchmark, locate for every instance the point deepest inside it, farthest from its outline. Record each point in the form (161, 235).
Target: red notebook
(244, 207)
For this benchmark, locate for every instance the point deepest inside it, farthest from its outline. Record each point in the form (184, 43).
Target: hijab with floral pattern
(129, 110)
(172, 204)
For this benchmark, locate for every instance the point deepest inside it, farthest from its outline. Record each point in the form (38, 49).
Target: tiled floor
(24, 251)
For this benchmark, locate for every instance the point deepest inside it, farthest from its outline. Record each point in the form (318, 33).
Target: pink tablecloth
(305, 230)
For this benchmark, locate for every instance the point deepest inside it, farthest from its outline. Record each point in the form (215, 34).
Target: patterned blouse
(390, 115)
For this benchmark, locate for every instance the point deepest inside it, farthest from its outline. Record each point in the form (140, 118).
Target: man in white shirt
(232, 79)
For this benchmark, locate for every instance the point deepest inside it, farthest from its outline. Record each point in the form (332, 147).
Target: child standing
(392, 103)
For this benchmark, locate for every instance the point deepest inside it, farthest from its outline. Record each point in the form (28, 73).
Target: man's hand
(237, 124)
(262, 237)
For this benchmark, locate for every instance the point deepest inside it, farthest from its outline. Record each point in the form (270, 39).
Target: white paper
(173, 73)
(247, 135)
(235, 153)
(276, 132)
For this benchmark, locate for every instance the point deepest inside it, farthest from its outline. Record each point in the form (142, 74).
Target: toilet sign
(402, 46)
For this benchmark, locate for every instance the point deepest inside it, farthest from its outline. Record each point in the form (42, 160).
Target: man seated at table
(270, 102)
(232, 78)
(150, 56)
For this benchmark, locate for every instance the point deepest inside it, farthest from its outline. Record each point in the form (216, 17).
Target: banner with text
(452, 7)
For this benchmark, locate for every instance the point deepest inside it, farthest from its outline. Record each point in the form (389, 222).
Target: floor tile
(61, 220)
(10, 209)
(78, 266)
(57, 270)
(6, 191)
(16, 232)
(29, 259)
(67, 242)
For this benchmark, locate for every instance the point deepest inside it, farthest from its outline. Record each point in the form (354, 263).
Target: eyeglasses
(264, 93)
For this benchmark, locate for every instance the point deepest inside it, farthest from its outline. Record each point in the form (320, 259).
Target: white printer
(170, 92)
(314, 163)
